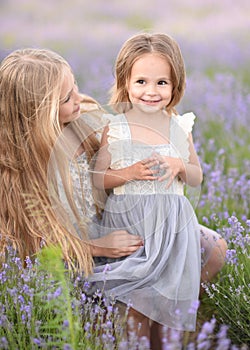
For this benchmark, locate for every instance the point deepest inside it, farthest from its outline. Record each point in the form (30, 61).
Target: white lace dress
(161, 279)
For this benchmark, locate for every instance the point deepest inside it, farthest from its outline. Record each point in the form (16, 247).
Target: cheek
(63, 113)
(168, 92)
(134, 91)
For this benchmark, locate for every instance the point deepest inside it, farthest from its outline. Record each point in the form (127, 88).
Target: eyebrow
(138, 77)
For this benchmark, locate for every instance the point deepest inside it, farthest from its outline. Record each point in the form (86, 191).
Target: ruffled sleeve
(181, 127)
(119, 140)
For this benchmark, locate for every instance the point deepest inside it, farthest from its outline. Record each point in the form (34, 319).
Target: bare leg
(214, 247)
(140, 323)
(160, 336)
(156, 336)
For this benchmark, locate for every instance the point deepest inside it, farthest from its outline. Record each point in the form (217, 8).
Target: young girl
(146, 156)
(38, 99)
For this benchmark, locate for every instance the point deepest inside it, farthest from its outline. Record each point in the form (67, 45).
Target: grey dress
(161, 279)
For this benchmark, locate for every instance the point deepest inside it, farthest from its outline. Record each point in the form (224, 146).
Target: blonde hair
(139, 45)
(86, 134)
(30, 85)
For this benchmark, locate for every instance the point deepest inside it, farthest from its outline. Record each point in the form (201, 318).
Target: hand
(172, 166)
(142, 169)
(116, 244)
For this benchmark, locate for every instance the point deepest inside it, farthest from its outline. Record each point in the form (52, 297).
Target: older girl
(39, 97)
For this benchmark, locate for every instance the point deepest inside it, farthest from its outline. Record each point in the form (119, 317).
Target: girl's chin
(147, 108)
(76, 115)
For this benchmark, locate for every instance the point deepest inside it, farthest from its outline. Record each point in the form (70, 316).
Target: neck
(148, 115)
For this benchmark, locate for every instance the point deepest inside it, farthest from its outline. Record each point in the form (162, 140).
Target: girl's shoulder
(114, 118)
(185, 121)
(181, 127)
(118, 128)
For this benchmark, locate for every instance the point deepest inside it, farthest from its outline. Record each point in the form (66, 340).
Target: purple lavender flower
(58, 292)
(194, 307)
(203, 341)
(204, 345)
(4, 343)
(28, 262)
(231, 257)
(65, 324)
(36, 341)
(67, 347)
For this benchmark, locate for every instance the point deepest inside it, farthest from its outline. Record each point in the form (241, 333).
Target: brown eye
(162, 82)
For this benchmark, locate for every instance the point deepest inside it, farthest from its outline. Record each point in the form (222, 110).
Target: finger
(165, 176)
(154, 156)
(170, 181)
(150, 160)
(151, 172)
(128, 251)
(152, 163)
(129, 235)
(132, 241)
(150, 177)
(137, 243)
(153, 159)
(169, 178)
(144, 161)
(164, 165)
(131, 245)
(158, 157)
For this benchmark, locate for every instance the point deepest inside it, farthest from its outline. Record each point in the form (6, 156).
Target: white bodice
(125, 152)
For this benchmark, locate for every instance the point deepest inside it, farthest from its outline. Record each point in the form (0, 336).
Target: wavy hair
(134, 48)
(30, 85)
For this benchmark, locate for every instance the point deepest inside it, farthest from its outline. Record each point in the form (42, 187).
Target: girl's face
(70, 99)
(150, 82)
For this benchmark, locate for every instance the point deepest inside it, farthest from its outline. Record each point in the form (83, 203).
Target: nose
(151, 90)
(77, 95)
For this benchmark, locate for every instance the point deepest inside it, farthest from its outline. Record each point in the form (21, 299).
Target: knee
(222, 250)
(224, 246)
(215, 261)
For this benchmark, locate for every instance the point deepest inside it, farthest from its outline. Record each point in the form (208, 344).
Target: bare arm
(190, 173)
(105, 178)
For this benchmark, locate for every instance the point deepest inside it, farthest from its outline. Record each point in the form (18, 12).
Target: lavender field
(215, 40)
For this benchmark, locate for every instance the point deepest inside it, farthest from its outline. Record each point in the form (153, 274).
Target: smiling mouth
(150, 101)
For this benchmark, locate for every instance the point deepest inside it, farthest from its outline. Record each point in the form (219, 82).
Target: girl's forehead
(150, 55)
(150, 60)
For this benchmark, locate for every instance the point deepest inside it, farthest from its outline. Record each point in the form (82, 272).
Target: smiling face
(150, 82)
(70, 99)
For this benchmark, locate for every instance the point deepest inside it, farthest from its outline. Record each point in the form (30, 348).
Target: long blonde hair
(134, 48)
(30, 85)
